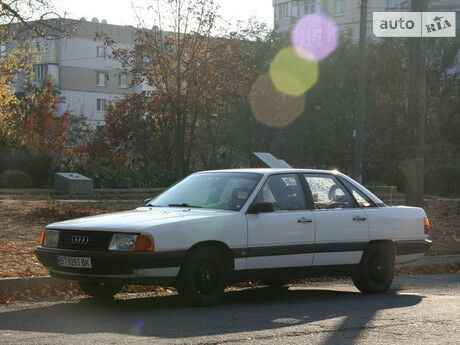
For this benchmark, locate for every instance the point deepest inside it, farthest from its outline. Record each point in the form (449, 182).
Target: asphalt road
(422, 309)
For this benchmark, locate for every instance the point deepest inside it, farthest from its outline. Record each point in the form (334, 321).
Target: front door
(342, 227)
(284, 238)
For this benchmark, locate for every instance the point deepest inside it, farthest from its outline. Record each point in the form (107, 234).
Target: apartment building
(346, 13)
(81, 66)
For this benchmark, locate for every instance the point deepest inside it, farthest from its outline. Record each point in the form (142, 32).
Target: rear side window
(284, 192)
(328, 193)
(362, 199)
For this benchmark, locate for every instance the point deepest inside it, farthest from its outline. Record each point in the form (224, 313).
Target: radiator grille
(97, 240)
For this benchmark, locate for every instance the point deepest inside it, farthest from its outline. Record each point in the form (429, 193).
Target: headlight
(51, 238)
(123, 242)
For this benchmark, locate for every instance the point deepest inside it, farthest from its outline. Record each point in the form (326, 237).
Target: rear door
(342, 228)
(284, 238)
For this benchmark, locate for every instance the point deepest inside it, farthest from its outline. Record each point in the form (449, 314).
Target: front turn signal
(427, 226)
(42, 239)
(144, 243)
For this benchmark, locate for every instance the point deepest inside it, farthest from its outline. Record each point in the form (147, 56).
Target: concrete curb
(22, 284)
(433, 261)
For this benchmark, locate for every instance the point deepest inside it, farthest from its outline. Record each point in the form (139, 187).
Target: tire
(100, 291)
(276, 284)
(202, 279)
(376, 269)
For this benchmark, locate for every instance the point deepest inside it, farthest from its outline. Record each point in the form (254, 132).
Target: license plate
(75, 262)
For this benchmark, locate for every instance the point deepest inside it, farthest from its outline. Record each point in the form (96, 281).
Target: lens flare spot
(271, 107)
(315, 36)
(138, 327)
(292, 74)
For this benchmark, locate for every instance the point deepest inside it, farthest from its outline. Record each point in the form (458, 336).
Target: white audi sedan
(218, 227)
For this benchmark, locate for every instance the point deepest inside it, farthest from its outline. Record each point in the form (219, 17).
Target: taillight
(42, 239)
(426, 224)
(144, 243)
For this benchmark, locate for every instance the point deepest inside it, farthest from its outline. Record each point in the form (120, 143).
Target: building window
(283, 10)
(295, 9)
(309, 7)
(102, 52)
(102, 79)
(123, 80)
(3, 50)
(339, 7)
(101, 104)
(41, 45)
(394, 3)
(40, 71)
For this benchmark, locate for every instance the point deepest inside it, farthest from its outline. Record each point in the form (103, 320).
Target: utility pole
(361, 96)
(416, 109)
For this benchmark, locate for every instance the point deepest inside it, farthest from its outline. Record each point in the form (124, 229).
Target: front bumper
(110, 265)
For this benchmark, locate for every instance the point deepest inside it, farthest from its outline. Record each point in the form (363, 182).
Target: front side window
(328, 193)
(221, 191)
(284, 192)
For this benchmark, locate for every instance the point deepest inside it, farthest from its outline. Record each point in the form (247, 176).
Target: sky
(121, 12)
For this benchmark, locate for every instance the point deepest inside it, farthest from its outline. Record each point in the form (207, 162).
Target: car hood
(142, 218)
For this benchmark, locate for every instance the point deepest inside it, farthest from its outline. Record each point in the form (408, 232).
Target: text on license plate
(71, 261)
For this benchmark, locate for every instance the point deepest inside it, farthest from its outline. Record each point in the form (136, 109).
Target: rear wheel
(98, 290)
(376, 269)
(203, 277)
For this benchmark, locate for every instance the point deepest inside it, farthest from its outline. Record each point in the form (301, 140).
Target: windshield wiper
(183, 205)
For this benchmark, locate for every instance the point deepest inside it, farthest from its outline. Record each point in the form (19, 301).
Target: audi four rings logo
(80, 239)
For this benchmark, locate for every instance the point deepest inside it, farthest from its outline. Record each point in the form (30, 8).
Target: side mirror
(264, 207)
(146, 201)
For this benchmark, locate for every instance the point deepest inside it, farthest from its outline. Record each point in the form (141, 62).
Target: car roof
(268, 171)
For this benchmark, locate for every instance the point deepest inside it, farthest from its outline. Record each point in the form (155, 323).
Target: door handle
(304, 220)
(359, 218)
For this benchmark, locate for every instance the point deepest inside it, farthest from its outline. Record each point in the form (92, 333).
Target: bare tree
(25, 18)
(190, 72)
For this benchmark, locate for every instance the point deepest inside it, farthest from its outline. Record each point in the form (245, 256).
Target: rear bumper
(112, 265)
(408, 247)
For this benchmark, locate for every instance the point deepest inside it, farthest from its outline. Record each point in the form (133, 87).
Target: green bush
(38, 166)
(443, 181)
(386, 176)
(15, 179)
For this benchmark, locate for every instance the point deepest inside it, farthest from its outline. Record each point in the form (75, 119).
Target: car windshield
(222, 191)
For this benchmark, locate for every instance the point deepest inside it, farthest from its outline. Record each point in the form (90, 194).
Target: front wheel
(100, 291)
(203, 277)
(376, 269)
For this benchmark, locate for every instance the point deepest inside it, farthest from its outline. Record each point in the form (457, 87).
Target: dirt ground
(21, 224)
(22, 221)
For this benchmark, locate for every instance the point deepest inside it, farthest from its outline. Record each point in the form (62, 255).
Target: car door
(285, 237)
(342, 228)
